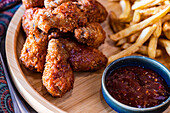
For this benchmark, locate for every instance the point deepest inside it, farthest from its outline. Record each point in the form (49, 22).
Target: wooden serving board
(86, 95)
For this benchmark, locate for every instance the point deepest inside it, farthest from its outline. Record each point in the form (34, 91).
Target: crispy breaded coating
(65, 17)
(34, 51)
(54, 3)
(82, 57)
(94, 11)
(87, 59)
(56, 33)
(44, 19)
(33, 3)
(58, 76)
(72, 14)
(28, 24)
(92, 34)
(27, 20)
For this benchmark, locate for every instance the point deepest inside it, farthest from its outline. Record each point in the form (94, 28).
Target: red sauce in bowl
(137, 87)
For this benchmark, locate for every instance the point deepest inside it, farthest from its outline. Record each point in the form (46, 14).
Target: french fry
(130, 50)
(114, 22)
(166, 2)
(121, 41)
(126, 45)
(166, 18)
(166, 29)
(152, 46)
(136, 17)
(139, 26)
(151, 11)
(133, 37)
(155, 3)
(146, 33)
(144, 36)
(158, 30)
(143, 49)
(165, 43)
(154, 40)
(141, 4)
(126, 9)
(158, 52)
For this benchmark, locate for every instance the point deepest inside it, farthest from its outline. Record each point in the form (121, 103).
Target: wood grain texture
(86, 95)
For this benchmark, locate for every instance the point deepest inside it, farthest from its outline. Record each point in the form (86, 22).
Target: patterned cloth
(5, 98)
(7, 10)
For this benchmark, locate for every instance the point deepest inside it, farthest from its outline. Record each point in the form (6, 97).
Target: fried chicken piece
(92, 34)
(94, 11)
(56, 33)
(51, 4)
(82, 57)
(58, 76)
(27, 20)
(27, 24)
(34, 50)
(72, 14)
(65, 17)
(44, 19)
(33, 3)
(54, 3)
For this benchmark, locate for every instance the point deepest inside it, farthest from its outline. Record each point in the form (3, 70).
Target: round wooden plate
(86, 95)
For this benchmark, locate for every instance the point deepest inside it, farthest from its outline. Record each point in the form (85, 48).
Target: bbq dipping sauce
(137, 87)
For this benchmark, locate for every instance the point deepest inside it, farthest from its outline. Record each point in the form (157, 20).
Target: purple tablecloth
(7, 10)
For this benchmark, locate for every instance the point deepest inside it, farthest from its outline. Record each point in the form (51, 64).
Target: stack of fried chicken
(62, 37)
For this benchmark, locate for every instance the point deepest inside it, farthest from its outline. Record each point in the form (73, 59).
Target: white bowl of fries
(141, 21)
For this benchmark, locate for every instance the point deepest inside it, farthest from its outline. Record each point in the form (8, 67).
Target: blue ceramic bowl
(142, 62)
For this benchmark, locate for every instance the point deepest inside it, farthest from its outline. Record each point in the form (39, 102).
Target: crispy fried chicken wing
(54, 3)
(33, 3)
(94, 11)
(28, 25)
(58, 76)
(27, 20)
(92, 34)
(65, 17)
(82, 57)
(34, 50)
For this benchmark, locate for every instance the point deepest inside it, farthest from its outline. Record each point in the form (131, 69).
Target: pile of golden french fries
(141, 20)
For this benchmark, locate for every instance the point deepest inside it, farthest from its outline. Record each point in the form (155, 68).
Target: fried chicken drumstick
(34, 50)
(58, 76)
(65, 17)
(54, 3)
(28, 25)
(27, 20)
(33, 3)
(82, 57)
(94, 11)
(92, 34)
